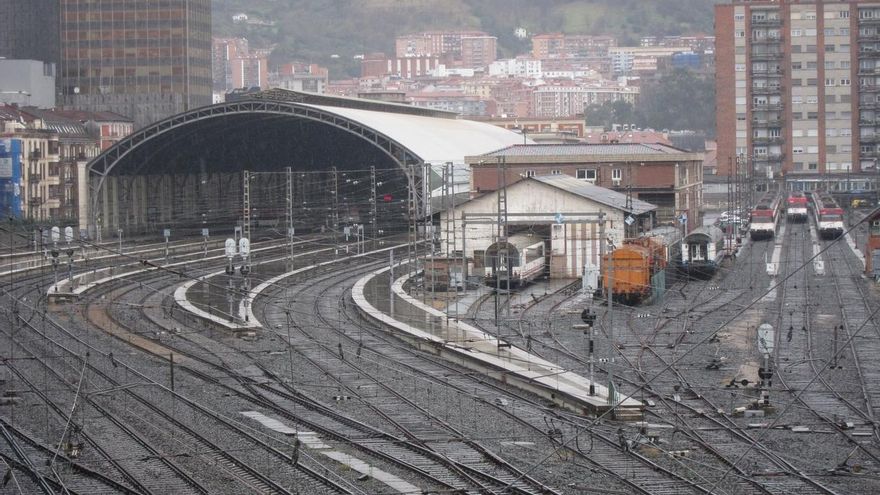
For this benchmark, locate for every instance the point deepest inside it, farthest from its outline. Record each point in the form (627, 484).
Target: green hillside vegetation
(314, 30)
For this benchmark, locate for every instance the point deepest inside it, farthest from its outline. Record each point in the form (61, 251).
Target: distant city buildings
(472, 49)
(236, 66)
(138, 59)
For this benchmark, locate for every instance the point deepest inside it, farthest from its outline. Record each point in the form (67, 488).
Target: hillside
(314, 30)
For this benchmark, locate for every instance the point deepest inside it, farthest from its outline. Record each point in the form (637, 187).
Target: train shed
(559, 209)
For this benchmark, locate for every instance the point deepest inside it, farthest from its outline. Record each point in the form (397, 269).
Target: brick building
(667, 177)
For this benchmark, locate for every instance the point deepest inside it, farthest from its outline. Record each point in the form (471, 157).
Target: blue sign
(683, 218)
(559, 218)
(10, 177)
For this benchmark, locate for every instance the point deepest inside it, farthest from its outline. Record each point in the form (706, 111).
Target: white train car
(702, 252)
(515, 263)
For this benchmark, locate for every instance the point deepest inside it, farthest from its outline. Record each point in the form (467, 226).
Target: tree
(681, 99)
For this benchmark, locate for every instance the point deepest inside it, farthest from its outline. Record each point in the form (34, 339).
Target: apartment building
(797, 85)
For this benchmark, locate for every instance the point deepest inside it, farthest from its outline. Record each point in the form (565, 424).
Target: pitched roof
(595, 193)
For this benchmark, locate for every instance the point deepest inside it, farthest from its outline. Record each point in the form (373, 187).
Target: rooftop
(598, 194)
(644, 151)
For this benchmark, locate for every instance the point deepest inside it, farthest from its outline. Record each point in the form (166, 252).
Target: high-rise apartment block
(142, 59)
(462, 48)
(798, 89)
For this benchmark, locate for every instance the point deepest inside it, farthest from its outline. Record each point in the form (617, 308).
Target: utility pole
(501, 241)
(246, 209)
(374, 225)
(612, 399)
(413, 218)
(335, 213)
(427, 222)
(290, 210)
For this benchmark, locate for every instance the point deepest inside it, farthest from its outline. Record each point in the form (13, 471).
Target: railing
(768, 122)
(36, 155)
(766, 90)
(767, 139)
(767, 21)
(35, 177)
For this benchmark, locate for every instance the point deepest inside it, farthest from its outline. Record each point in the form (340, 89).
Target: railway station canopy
(278, 128)
(184, 170)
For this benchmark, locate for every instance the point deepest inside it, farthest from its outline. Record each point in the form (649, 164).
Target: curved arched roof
(278, 128)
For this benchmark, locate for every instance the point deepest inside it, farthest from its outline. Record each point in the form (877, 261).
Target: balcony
(870, 138)
(867, 38)
(768, 140)
(36, 155)
(774, 55)
(869, 105)
(34, 177)
(774, 122)
(35, 201)
(869, 21)
(766, 90)
(767, 72)
(769, 158)
(869, 88)
(767, 41)
(868, 53)
(767, 107)
(766, 22)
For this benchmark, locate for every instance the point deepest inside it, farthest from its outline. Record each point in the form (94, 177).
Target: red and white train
(828, 215)
(764, 217)
(796, 206)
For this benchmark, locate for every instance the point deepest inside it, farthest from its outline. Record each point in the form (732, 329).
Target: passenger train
(796, 207)
(514, 263)
(702, 252)
(764, 217)
(828, 215)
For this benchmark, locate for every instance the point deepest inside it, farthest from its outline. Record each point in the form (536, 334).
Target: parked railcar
(764, 217)
(514, 263)
(828, 215)
(639, 265)
(796, 207)
(702, 252)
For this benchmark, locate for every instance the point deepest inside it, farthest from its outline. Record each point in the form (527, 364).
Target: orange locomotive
(639, 266)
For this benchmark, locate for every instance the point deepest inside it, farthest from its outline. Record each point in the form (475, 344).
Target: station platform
(433, 330)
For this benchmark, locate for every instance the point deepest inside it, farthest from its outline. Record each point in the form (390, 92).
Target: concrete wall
(27, 83)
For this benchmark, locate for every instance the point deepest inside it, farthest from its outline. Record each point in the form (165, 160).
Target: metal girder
(101, 166)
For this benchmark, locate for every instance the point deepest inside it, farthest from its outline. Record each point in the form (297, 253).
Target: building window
(775, 132)
(831, 148)
(740, 33)
(829, 48)
(843, 14)
(810, 32)
(795, 66)
(556, 172)
(844, 64)
(812, 81)
(844, 81)
(829, 64)
(797, 150)
(796, 33)
(739, 17)
(617, 174)
(829, 81)
(844, 49)
(831, 132)
(796, 100)
(812, 132)
(586, 174)
(811, 64)
(812, 149)
(811, 49)
(530, 173)
(812, 99)
(810, 16)
(813, 166)
(795, 48)
(739, 67)
(846, 131)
